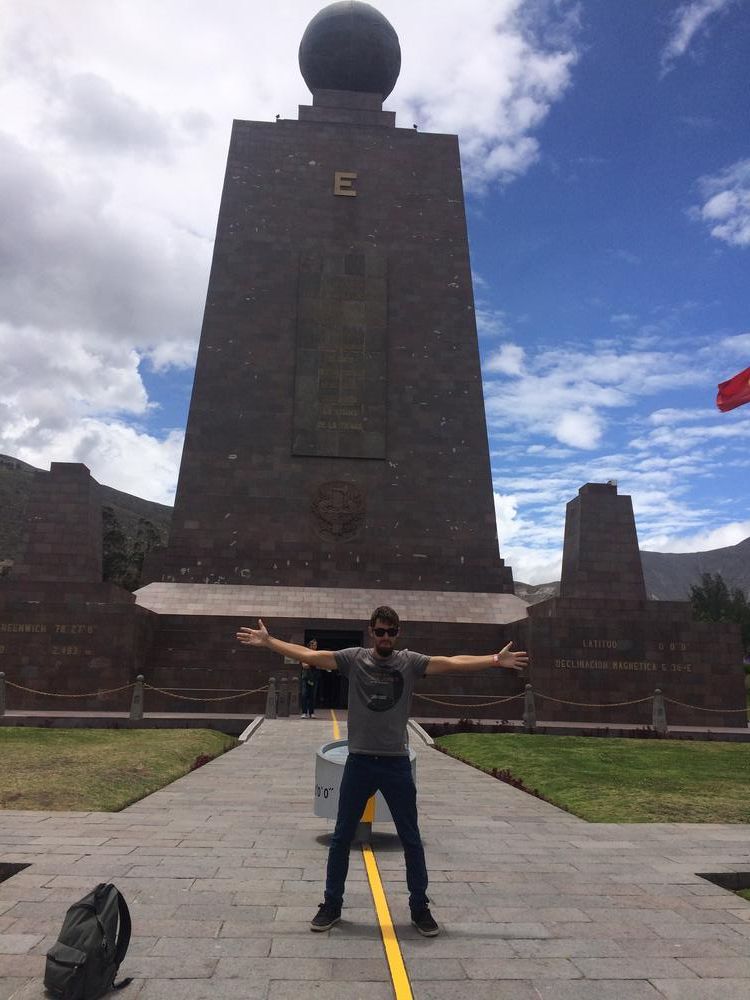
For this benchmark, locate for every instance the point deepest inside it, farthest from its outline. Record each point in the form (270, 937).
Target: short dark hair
(385, 614)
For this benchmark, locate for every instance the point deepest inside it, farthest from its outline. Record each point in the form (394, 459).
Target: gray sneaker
(425, 922)
(326, 917)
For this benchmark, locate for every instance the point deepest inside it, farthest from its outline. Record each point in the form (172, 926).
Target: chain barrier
(591, 704)
(439, 700)
(127, 687)
(185, 697)
(458, 704)
(698, 708)
(57, 694)
(230, 690)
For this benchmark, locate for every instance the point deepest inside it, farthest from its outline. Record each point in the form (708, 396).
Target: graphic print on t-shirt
(382, 688)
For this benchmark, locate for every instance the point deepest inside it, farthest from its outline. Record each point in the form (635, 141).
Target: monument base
(594, 660)
(195, 647)
(69, 639)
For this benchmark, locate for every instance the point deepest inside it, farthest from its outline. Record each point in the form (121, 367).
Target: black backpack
(83, 962)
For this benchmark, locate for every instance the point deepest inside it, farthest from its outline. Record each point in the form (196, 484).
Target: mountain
(670, 575)
(536, 592)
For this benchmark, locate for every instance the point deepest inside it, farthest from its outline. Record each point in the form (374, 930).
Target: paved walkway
(223, 870)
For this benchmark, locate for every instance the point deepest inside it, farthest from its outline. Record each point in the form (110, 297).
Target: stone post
(283, 709)
(271, 699)
(136, 705)
(2, 694)
(659, 717)
(529, 710)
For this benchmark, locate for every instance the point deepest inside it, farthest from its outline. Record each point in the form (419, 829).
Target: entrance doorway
(333, 689)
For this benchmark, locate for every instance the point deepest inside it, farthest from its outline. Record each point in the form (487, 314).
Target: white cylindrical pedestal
(329, 769)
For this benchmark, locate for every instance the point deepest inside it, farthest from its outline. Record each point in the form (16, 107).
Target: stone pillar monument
(63, 536)
(602, 644)
(336, 435)
(62, 629)
(600, 553)
(336, 453)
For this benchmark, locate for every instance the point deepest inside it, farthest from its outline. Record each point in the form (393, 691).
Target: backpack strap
(123, 937)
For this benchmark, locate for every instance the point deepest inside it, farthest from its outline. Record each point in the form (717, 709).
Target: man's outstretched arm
(505, 659)
(259, 636)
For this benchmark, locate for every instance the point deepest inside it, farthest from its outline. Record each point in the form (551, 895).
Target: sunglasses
(380, 632)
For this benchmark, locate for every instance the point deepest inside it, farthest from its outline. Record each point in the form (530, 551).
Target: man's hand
(514, 661)
(254, 636)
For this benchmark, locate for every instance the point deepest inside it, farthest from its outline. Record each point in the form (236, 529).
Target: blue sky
(606, 157)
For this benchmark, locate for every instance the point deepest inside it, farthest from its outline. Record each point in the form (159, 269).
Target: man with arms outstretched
(381, 682)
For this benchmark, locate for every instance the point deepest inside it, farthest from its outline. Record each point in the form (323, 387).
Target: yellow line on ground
(336, 730)
(401, 984)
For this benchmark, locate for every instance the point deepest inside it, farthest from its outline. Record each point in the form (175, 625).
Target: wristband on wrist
(495, 657)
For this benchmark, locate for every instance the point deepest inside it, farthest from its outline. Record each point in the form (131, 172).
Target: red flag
(735, 392)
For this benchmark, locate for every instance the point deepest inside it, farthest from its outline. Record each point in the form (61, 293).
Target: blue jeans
(363, 776)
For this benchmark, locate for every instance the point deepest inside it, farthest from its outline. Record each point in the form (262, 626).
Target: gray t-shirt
(380, 692)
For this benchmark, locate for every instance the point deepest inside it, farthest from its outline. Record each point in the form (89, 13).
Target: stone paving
(223, 870)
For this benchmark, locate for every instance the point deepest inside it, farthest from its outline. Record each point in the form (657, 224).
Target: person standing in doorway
(308, 685)
(381, 682)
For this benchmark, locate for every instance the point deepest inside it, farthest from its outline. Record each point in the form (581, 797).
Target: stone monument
(336, 434)
(601, 646)
(336, 453)
(63, 630)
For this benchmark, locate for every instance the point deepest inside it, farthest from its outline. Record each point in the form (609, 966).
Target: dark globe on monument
(350, 46)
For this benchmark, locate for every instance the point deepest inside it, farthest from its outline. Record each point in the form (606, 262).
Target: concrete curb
(252, 729)
(423, 735)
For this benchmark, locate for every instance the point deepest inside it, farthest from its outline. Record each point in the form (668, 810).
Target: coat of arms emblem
(339, 510)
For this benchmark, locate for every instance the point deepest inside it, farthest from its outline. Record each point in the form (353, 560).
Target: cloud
(507, 360)
(687, 21)
(489, 70)
(117, 454)
(701, 541)
(580, 429)
(491, 322)
(82, 402)
(566, 394)
(624, 320)
(726, 209)
(74, 258)
(738, 345)
(532, 554)
(671, 438)
(80, 376)
(673, 417)
(94, 114)
(506, 511)
(533, 565)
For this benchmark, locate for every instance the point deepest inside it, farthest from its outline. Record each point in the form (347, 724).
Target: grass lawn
(621, 780)
(96, 770)
(745, 893)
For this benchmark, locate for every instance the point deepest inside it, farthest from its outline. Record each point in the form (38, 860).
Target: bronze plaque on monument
(340, 373)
